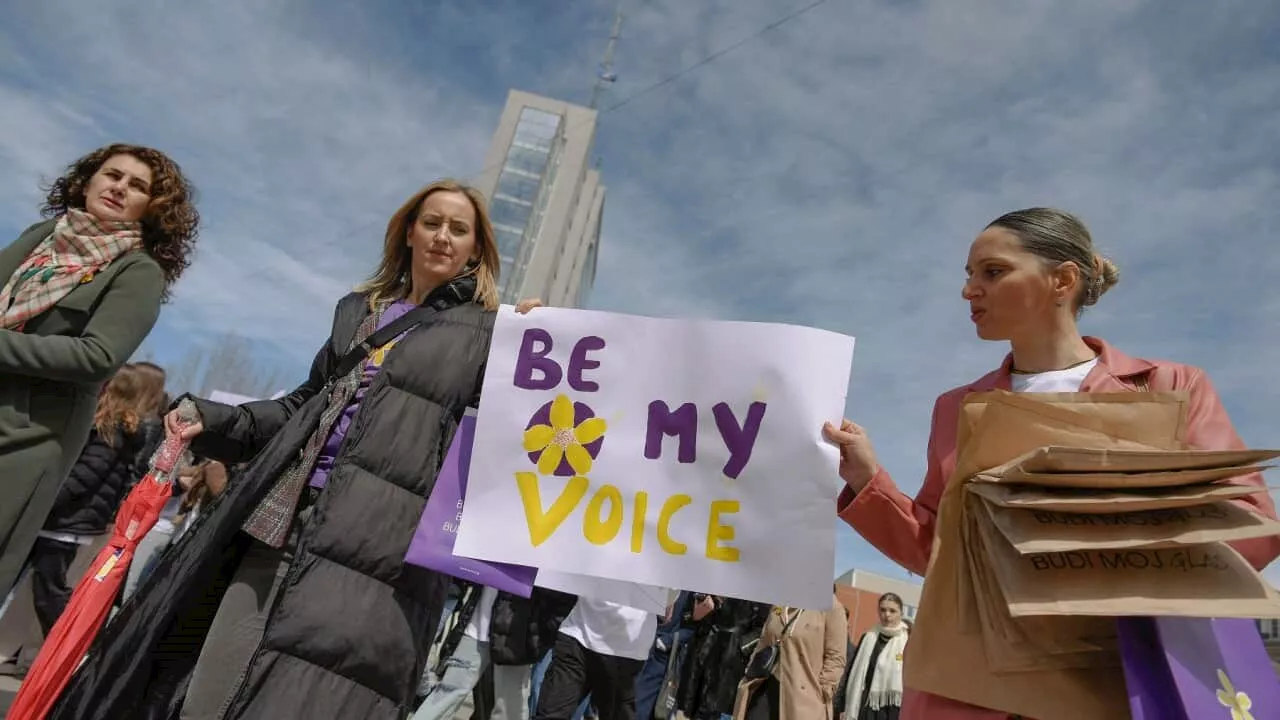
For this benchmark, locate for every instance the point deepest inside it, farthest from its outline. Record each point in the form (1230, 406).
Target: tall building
(545, 199)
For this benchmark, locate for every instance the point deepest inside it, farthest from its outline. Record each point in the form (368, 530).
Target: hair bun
(1108, 274)
(1105, 275)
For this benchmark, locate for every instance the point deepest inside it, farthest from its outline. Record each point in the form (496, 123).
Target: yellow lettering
(717, 532)
(598, 531)
(669, 508)
(543, 525)
(637, 522)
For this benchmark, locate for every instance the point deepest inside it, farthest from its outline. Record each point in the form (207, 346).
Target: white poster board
(674, 453)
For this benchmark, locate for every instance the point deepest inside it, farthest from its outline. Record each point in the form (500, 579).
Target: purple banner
(1181, 667)
(432, 545)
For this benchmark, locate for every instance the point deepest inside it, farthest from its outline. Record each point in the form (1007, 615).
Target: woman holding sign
(1030, 273)
(291, 599)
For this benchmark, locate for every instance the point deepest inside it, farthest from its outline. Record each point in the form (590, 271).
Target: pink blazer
(902, 528)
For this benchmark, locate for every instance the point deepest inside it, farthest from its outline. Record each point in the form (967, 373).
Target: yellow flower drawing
(562, 440)
(1237, 702)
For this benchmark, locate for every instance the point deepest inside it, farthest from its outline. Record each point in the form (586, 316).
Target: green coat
(50, 376)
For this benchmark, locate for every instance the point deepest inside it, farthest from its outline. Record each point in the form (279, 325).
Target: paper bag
(1133, 480)
(432, 544)
(1045, 531)
(1035, 642)
(1019, 425)
(1190, 580)
(1083, 459)
(1090, 500)
(947, 661)
(1187, 667)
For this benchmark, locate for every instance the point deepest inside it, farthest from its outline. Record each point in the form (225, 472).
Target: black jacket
(89, 498)
(521, 630)
(349, 633)
(716, 658)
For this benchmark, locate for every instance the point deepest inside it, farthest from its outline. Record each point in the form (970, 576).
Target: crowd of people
(276, 586)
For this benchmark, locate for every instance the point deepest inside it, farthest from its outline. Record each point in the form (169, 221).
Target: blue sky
(829, 173)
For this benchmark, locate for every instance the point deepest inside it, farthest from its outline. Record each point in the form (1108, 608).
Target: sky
(829, 172)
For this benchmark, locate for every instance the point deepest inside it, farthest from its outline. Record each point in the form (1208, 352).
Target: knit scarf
(79, 246)
(271, 520)
(885, 688)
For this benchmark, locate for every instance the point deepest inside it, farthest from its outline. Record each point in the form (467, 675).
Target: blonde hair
(392, 278)
(122, 404)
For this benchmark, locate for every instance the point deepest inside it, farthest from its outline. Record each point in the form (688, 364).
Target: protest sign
(675, 453)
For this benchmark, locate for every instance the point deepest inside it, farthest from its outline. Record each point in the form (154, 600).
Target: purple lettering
(683, 423)
(530, 360)
(740, 440)
(578, 362)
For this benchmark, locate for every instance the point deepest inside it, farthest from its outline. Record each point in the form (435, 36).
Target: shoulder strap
(786, 629)
(389, 332)
(445, 297)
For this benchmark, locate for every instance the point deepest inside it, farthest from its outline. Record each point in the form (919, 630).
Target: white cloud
(831, 172)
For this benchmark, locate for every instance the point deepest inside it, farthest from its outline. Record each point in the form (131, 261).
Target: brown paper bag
(1196, 580)
(1067, 419)
(1137, 480)
(1079, 419)
(1043, 531)
(1084, 459)
(1090, 500)
(946, 661)
(1036, 642)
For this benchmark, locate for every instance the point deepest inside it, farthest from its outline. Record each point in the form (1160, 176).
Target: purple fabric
(1186, 661)
(1146, 671)
(329, 453)
(432, 545)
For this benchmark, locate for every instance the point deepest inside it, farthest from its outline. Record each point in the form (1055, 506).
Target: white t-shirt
(1068, 380)
(478, 628)
(611, 629)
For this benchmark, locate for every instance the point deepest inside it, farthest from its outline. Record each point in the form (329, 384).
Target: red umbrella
(91, 602)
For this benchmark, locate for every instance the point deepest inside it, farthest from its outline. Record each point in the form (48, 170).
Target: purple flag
(1209, 667)
(432, 545)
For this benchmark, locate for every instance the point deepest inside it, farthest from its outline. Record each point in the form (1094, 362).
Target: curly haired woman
(80, 292)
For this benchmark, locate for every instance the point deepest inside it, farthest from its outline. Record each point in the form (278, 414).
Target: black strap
(786, 629)
(389, 332)
(460, 290)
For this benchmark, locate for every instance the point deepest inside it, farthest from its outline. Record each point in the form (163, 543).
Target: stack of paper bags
(1065, 511)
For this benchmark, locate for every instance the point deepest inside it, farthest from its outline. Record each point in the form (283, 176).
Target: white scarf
(885, 689)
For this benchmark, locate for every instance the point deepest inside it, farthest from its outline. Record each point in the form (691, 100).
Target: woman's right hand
(858, 462)
(173, 425)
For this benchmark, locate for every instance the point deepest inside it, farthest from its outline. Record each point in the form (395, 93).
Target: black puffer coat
(89, 498)
(349, 633)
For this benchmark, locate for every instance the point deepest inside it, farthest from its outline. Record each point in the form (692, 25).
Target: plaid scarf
(271, 520)
(79, 246)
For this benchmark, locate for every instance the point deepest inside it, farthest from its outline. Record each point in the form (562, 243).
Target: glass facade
(521, 194)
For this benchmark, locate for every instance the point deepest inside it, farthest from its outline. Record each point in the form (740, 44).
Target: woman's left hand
(524, 306)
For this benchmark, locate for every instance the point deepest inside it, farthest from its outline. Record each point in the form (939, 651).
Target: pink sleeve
(1209, 428)
(898, 526)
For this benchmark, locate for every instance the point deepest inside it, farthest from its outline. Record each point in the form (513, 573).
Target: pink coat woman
(1030, 273)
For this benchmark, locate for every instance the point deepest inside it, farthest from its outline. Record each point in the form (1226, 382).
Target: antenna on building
(607, 76)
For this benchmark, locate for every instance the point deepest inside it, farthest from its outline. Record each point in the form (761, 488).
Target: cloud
(831, 172)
